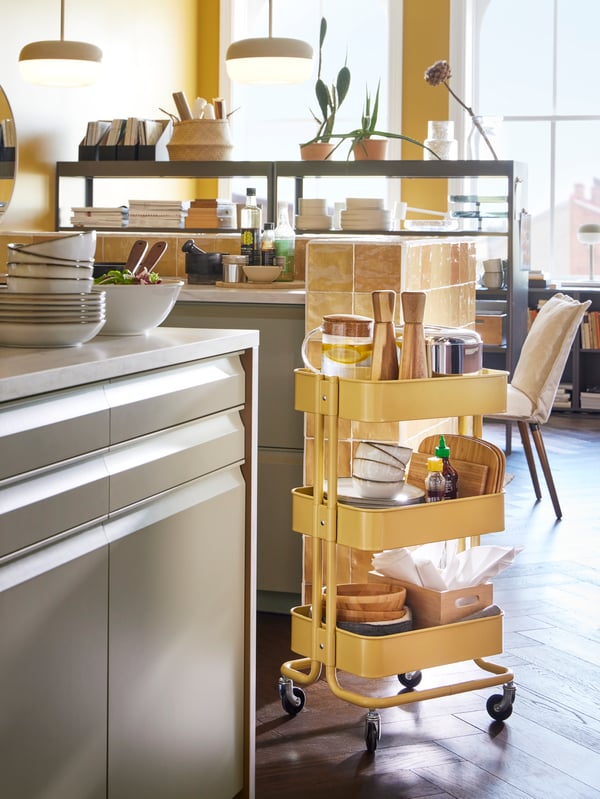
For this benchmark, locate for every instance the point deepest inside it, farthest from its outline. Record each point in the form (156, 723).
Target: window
(272, 121)
(534, 62)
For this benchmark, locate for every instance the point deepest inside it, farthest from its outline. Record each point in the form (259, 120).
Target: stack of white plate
(312, 215)
(50, 319)
(366, 213)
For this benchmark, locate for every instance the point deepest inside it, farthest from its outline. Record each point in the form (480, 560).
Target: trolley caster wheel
(410, 679)
(372, 730)
(293, 698)
(500, 706)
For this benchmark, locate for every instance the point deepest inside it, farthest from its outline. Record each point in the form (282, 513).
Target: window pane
(515, 57)
(577, 193)
(578, 34)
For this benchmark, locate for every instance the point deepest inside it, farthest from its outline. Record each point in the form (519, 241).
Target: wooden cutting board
(472, 477)
(290, 284)
(474, 451)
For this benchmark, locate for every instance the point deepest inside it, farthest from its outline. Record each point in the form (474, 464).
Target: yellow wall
(426, 40)
(151, 49)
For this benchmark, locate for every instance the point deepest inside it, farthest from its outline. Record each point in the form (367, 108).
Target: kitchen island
(278, 313)
(127, 567)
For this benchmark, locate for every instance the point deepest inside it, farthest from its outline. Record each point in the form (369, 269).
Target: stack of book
(590, 399)
(158, 213)
(563, 396)
(211, 214)
(98, 217)
(539, 280)
(590, 331)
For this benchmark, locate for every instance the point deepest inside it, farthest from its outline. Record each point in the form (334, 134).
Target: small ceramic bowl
(73, 247)
(49, 285)
(49, 270)
(262, 274)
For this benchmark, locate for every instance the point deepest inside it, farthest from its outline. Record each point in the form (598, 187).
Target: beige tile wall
(114, 247)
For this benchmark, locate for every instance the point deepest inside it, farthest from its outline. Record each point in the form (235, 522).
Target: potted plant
(329, 100)
(368, 143)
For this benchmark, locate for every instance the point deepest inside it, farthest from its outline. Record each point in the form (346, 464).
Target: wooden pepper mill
(385, 352)
(413, 361)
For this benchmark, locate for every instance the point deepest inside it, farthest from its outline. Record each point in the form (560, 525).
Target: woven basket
(201, 140)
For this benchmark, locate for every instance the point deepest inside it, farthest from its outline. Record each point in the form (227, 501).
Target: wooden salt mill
(413, 361)
(385, 353)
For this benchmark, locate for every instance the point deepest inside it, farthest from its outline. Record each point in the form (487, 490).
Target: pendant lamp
(269, 60)
(60, 62)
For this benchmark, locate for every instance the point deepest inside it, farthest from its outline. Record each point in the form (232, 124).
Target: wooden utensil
(182, 105)
(136, 253)
(413, 361)
(155, 253)
(385, 353)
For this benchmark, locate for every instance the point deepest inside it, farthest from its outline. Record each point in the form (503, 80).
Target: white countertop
(27, 372)
(254, 296)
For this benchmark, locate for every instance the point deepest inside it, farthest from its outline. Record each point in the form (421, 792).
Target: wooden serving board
(290, 284)
(472, 477)
(473, 450)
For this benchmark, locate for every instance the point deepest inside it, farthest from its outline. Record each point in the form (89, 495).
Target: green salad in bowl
(127, 278)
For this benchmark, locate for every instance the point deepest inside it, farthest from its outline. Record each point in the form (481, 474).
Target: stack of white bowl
(48, 299)
(312, 215)
(366, 213)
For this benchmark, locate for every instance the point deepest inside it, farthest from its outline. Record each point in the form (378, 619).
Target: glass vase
(478, 148)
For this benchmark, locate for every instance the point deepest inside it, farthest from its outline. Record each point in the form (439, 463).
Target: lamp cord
(270, 18)
(62, 20)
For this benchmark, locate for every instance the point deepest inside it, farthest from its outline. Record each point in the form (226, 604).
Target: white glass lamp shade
(60, 63)
(589, 233)
(269, 60)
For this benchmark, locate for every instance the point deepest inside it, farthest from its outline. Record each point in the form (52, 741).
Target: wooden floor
(450, 747)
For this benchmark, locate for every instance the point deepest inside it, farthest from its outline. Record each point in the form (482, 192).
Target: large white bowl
(49, 285)
(49, 270)
(134, 309)
(73, 246)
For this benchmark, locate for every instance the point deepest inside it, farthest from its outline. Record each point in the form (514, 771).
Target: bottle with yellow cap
(435, 482)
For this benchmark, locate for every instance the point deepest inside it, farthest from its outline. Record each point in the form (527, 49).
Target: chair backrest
(545, 352)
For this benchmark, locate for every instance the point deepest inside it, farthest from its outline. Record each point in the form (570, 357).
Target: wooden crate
(491, 327)
(432, 608)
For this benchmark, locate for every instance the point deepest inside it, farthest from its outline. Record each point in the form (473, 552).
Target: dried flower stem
(476, 122)
(440, 72)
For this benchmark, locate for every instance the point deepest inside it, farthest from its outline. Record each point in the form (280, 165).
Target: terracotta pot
(370, 150)
(316, 151)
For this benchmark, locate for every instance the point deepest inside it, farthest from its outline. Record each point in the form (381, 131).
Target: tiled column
(340, 276)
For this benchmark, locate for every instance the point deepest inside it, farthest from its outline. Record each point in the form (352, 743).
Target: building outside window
(534, 63)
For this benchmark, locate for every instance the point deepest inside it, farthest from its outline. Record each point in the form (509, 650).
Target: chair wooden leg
(524, 431)
(536, 432)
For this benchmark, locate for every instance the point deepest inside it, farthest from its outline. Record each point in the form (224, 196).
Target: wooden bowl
(367, 616)
(370, 597)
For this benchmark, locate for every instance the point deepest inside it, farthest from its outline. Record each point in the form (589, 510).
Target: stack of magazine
(158, 213)
(98, 217)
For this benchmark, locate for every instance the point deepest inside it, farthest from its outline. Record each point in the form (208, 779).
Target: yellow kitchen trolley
(316, 513)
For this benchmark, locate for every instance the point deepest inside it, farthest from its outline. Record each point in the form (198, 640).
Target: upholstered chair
(535, 381)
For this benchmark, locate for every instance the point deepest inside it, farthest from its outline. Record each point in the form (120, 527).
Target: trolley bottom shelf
(382, 656)
(403, 654)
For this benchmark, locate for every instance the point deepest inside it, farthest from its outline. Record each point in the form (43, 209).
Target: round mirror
(8, 152)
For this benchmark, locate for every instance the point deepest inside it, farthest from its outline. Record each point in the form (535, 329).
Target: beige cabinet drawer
(52, 428)
(148, 402)
(168, 458)
(52, 500)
